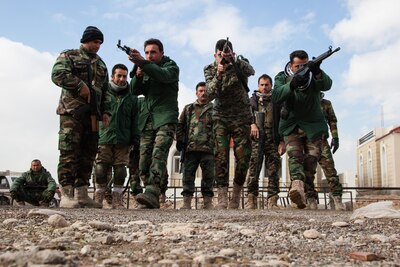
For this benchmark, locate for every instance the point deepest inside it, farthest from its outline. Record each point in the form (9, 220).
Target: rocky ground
(286, 237)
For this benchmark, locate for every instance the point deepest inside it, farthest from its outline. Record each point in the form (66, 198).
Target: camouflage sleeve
(135, 117)
(331, 119)
(281, 89)
(51, 183)
(105, 106)
(62, 74)
(245, 67)
(181, 125)
(19, 182)
(213, 85)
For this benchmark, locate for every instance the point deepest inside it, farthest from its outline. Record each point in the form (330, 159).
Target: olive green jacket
(39, 181)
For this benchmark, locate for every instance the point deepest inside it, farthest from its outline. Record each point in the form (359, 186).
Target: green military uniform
(115, 140)
(232, 118)
(195, 125)
(157, 122)
(34, 187)
(77, 142)
(263, 103)
(305, 126)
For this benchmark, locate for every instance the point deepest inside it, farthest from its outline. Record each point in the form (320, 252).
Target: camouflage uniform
(77, 141)
(34, 187)
(157, 123)
(232, 118)
(326, 160)
(305, 128)
(262, 103)
(195, 122)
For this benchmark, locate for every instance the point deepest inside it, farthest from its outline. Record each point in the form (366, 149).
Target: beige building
(378, 158)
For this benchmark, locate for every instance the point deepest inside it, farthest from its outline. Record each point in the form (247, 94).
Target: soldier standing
(194, 136)
(326, 161)
(157, 79)
(261, 102)
(117, 139)
(83, 77)
(302, 123)
(35, 186)
(227, 85)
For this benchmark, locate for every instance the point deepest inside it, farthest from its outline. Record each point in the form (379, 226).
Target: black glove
(334, 144)
(314, 67)
(298, 80)
(179, 146)
(136, 142)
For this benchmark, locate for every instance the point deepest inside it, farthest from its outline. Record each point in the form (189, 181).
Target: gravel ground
(286, 237)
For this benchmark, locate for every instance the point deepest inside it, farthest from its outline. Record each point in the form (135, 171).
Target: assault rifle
(127, 50)
(304, 69)
(260, 118)
(231, 60)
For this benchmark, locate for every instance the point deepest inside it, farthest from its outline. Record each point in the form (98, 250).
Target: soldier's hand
(84, 92)
(314, 67)
(48, 195)
(106, 120)
(220, 69)
(334, 144)
(297, 81)
(139, 72)
(254, 131)
(281, 148)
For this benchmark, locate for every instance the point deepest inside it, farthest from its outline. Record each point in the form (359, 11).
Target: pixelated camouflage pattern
(200, 136)
(328, 166)
(70, 72)
(240, 133)
(329, 114)
(154, 149)
(231, 101)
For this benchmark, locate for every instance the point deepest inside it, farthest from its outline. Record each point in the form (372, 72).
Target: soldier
(35, 186)
(116, 140)
(302, 123)
(261, 102)
(232, 117)
(157, 79)
(194, 135)
(83, 77)
(326, 161)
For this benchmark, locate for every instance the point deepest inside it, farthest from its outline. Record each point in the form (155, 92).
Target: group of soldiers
(138, 132)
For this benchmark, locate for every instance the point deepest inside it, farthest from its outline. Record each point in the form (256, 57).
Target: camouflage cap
(92, 33)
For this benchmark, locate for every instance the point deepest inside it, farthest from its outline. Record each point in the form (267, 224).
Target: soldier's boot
(338, 203)
(272, 202)
(251, 201)
(236, 194)
(20, 203)
(100, 193)
(148, 200)
(187, 203)
(296, 194)
(312, 203)
(82, 197)
(117, 200)
(207, 203)
(162, 200)
(67, 198)
(107, 204)
(222, 198)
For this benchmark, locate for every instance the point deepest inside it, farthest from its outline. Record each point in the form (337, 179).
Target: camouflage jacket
(123, 123)
(70, 72)
(159, 86)
(304, 108)
(30, 180)
(330, 117)
(196, 121)
(231, 101)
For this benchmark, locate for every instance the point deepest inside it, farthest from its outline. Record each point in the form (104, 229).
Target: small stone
(340, 224)
(359, 221)
(311, 234)
(380, 238)
(364, 256)
(10, 221)
(86, 250)
(228, 252)
(57, 221)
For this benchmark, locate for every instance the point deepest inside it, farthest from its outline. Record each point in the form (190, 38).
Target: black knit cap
(92, 33)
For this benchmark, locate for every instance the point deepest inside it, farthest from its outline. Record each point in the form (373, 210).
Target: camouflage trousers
(133, 167)
(33, 197)
(272, 163)
(115, 156)
(154, 150)
(240, 134)
(78, 146)
(303, 158)
(328, 166)
(192, 161)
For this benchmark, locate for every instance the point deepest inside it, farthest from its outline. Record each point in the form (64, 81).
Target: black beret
(92, 33)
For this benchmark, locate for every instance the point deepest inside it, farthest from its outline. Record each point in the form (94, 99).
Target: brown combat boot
(296, 194)
(222, 198)
(67, 198)
(100, 193)
(236, 194)
(82, 197)
(338, 203)
(187, 203)
(117, 201)
(312, 203)
(162, 200)
(273, 202)
(252, 201)
(207, 203)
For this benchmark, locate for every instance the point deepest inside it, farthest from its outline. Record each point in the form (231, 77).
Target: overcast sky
(33, 33)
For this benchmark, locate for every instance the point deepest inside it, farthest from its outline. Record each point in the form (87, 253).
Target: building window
(361, 172)
(385, 181)
(176, 162)
(369, 168)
